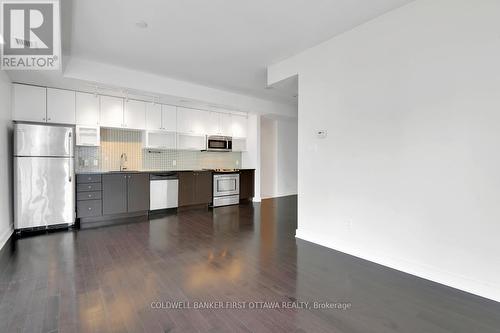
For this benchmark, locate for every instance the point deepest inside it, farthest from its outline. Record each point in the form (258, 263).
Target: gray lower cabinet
(138, 192)
(91, 187)
(89, 208)
(88, 196)
(125, 193)
(114, 194)
(88, 178)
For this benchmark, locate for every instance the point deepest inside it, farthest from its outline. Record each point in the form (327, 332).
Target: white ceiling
(219, 43)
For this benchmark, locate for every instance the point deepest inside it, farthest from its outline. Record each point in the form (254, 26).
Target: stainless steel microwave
(219, 143)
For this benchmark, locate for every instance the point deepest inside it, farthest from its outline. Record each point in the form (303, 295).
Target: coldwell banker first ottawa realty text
(30, 35)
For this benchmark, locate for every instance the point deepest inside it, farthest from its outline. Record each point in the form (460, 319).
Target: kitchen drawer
(90, 187)
(89, 195)
(80, 179)
(89, 208)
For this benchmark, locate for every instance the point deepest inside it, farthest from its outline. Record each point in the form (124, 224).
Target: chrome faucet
(123, 162)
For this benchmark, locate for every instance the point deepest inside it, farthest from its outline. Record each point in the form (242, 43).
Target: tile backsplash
(114, 142)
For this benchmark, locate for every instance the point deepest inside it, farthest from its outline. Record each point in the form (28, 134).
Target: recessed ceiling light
(141, 24)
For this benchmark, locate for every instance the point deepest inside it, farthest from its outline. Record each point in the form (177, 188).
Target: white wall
(286, 152)
(6, 217)
(268, 157)
(278, 156)
(409, 174)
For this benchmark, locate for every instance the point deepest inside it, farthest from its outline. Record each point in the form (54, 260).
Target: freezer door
(44, 191)
(43, 140)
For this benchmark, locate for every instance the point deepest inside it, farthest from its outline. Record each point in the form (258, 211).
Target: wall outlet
(174, 162)
(237, 162)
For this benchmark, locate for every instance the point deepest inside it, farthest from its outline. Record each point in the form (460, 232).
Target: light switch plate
(321, 134)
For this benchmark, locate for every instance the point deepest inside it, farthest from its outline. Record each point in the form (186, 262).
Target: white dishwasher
(164, 191)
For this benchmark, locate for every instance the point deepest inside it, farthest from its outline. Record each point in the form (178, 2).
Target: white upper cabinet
(160, 140)
(212, 125)
(61, 106)
(191, 121)
(219, 124)
(169, 118)
(161, 117)
(88, 135)
(153, 117)
(239, 126)
(239, 144)
(29, 103)
(170, 127)
(87, 109)
(111, 111)
(226, 124)
(190, 142)
(135, 115)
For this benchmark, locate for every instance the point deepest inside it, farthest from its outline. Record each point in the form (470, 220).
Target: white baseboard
(256, 199)
(479, 288)
(280, 195)
(5, 235)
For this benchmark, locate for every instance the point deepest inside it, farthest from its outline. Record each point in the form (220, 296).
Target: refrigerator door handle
(70, 178)
(70, 144)
(70, 163)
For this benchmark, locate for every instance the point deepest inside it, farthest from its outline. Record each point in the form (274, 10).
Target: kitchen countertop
(155, 171)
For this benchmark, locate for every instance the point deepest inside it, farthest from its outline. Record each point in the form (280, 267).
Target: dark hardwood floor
(106, 279)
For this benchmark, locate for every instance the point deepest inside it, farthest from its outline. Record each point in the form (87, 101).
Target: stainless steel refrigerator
(44, 190)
